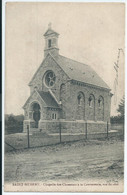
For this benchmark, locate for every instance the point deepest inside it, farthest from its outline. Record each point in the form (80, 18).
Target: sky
(89, 32)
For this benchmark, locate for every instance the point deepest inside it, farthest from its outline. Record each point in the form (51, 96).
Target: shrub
(13, 124)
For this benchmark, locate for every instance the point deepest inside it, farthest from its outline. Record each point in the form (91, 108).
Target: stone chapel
(67, 93)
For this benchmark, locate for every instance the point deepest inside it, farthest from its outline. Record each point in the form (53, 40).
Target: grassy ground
(99, 159)
(20, 141)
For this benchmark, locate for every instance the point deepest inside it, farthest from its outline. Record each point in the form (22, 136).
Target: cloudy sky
(89, 32)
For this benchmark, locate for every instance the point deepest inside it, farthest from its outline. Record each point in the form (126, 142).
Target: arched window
(100, 114)
(79, 99)
(80, 112)
(91, 101)
(49, 43)
(91, 111)
(100, 102)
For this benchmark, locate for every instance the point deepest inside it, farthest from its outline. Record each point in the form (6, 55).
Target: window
(80, 104)
(49, 43)
(54, 116)
(90, 101)
(99, 103)
(79, 99)
(50, 78)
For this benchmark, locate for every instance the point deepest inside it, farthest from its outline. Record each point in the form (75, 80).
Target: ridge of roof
(80, 71)
(38, 69)
(73, 60)
(76, 71)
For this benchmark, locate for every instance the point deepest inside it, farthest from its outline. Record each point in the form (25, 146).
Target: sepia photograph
(64, 97)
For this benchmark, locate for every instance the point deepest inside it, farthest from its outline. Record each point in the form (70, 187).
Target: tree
(13, 123)
(120, 117)
(11, 119)
(121, 107)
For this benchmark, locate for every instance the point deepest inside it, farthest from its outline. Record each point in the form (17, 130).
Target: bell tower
(51, 42)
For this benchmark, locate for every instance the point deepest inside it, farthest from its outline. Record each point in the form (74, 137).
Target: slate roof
(76, 71)
(48, 99)
(80, 72)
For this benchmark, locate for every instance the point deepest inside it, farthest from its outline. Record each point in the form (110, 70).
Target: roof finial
(49, 25)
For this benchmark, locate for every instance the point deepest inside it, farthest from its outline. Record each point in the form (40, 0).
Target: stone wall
(67, 91)
(71, 127)
(93, 112)
(30, 123)
(38, 81)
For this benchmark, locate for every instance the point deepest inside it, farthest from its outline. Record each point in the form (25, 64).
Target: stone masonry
(63, 97)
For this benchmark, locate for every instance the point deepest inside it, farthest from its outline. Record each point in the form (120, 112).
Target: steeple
(51, 42)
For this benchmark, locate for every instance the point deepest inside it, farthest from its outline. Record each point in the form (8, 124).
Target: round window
(50, 78)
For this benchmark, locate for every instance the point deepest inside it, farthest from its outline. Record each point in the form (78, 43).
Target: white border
(3, 92)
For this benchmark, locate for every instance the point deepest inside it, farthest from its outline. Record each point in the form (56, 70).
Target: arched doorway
(36, 113)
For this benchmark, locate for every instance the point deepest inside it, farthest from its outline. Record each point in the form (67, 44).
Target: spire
(50, 26)
(51, 41)
(50, 31)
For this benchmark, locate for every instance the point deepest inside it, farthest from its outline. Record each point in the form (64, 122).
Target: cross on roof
(49, 25)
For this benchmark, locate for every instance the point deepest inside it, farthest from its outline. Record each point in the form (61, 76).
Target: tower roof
(50, 31)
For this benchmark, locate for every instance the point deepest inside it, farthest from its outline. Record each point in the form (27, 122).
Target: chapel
(65, 93)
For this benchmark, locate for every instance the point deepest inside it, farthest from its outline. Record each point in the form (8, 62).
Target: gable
(72, 70)
(42, 97)
(34, 97)
(49, 63)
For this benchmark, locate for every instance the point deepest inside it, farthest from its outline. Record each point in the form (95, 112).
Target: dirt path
(73, 161)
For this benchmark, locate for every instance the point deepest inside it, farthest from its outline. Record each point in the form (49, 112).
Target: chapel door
(36, 114)
(36, 117)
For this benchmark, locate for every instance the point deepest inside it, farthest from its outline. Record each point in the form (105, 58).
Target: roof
(76, 71)
(49, 32)
(80, 72)
(48, 99)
